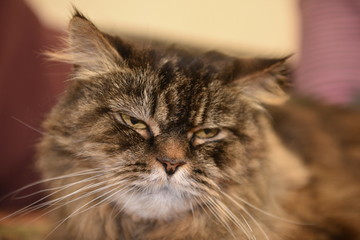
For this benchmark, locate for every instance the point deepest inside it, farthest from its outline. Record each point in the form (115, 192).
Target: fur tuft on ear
(268, 81)
(87, 47)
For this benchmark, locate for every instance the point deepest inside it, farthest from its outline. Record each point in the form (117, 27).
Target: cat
(156, 142)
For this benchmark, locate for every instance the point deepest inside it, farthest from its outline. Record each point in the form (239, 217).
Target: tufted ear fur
(88, 48)
(266, 82)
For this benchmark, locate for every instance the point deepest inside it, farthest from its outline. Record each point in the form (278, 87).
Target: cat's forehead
(175, 100)
(170, 84)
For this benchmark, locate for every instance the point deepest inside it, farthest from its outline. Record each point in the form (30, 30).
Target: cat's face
(168, 132)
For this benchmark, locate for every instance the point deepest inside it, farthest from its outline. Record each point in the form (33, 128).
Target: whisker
(122, 192)
(85, 172)
(249, 214)
(62, 187)
(232, 179)
(223, 222)
(124, 206)
(49, 203)
(233, 218)
(73, 200)
(31, 207)
(29, 126)
(83, 189)
(248, 225)
(265, 212)
(85, 195)
(77, 210)
(256, 223)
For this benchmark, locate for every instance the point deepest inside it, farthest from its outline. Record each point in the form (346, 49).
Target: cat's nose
(170, 165)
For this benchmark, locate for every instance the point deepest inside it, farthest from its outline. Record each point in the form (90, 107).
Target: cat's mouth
(158, 196)
(164, 202)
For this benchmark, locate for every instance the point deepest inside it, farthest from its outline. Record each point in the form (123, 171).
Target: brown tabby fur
(273, 171)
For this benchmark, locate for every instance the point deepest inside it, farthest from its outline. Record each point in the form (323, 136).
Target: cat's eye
(133, 122)
(207, 133)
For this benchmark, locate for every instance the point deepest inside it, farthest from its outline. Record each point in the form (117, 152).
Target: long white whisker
(34, 206)
(248, 213)
(118, 211)
(57, 200)
(31, 207)
(248, 225)
(233, 218)
(78, 198)
(29, 126)
(124, 206)
(256, 223)
(267, 213)
(223, 222)
(117, 192)
(81, 173)
(63, 187)
(77, 210)
(87, 194)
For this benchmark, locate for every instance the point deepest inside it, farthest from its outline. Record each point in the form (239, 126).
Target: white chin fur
(159, 205)
(164, 202)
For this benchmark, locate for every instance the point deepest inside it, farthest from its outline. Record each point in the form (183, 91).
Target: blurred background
(262, 27)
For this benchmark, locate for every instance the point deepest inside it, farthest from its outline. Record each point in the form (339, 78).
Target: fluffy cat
(153, 142)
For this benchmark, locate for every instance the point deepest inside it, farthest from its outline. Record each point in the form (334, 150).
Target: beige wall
(261, 27)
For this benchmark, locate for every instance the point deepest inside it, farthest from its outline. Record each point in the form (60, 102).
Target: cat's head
(169, 129)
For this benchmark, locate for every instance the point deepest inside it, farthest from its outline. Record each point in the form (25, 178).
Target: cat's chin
(159, 196)
(164, 204)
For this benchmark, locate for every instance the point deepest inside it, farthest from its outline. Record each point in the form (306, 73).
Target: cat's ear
(88, 48)
(265, 80)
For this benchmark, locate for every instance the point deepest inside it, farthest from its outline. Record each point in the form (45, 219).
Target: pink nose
(170, 165)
